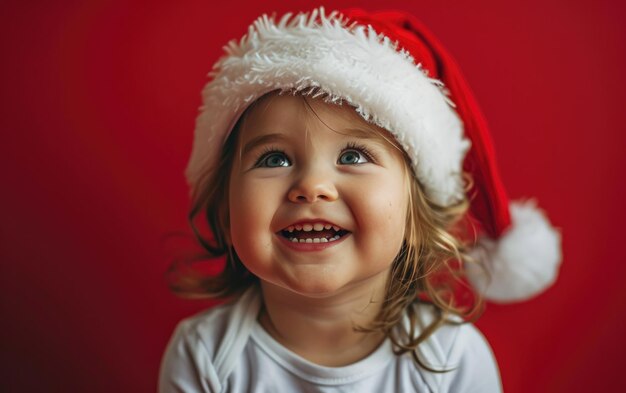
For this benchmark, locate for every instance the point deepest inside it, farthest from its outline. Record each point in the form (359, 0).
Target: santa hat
(397, 76)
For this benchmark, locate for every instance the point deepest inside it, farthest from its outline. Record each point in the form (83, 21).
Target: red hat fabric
(398, 76)
(489, 204)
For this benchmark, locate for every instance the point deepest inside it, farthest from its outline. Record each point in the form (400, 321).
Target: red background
(98, 107)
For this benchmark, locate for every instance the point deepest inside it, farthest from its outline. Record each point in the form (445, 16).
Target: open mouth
(318, 232)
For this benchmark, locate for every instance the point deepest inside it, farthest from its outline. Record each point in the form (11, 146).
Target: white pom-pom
(523, 262)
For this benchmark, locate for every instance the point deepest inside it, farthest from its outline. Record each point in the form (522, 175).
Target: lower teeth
(315, 240)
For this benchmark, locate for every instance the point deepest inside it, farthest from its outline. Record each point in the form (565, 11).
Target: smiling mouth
(313, 233)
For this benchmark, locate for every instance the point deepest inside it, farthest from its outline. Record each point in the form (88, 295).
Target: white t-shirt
(225, 349)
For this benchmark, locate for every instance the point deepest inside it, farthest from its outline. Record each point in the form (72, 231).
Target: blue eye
(273, 160)
(352, 157)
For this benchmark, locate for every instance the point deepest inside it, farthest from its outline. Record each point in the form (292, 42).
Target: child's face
(300, 168)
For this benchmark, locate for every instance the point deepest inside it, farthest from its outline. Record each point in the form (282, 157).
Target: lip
(310, 247)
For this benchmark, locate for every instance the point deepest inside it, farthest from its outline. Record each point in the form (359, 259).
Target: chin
(314, 288)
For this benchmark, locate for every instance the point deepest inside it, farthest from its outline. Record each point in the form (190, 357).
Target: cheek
(392, 222)
(240, 211)
(389, 198)
(383, 212)
(244, 231)
(251, 209)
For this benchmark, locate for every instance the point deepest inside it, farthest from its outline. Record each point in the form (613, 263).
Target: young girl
(341, 163)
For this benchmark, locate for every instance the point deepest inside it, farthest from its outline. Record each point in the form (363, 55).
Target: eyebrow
(359, 133)
(278, 137)
(263, 139)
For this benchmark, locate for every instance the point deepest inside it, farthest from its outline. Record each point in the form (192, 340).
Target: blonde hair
(427, 269)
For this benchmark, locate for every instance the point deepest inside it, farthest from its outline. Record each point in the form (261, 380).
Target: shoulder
(205, 329)
(204, 347)
(462, 350)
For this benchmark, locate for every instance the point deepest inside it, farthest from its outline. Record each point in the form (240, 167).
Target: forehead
(276, 113)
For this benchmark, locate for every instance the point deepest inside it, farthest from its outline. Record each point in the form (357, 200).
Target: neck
(322, 330)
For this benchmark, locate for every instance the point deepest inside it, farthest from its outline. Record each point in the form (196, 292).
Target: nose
(313, 186)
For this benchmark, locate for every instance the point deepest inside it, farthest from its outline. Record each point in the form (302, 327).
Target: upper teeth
(318, 227)
(315, 240)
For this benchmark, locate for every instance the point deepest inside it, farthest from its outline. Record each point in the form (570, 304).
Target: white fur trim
(523, 262)
(348, 63)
